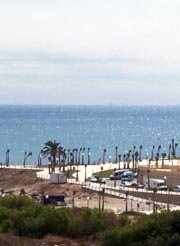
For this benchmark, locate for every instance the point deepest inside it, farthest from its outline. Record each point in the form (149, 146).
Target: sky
(90, 52)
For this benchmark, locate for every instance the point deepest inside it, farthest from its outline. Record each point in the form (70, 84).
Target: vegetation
(105, 174)
(22, 217)
(53, 150)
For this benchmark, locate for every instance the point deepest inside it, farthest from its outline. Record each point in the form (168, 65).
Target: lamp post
(152, 153)
(157, 159)
(133, 155)
(124, 161)
(169, 153)
(89, 155)
(114, 178)
(82, 154)
(163, 157)
(104, 153)
(148, 174)
(126, 194)
(76, 153)
(85, 166)
(77, 174)
(101, 172)
(68, 156)
(88, 198)
(154, 194)
(159, 148)
(140, 151)
(26, 155)
(40, 159)
(79, 157)
(119, 157)
(7, 157)
(116, 150)
(175, 149)
(136, 159)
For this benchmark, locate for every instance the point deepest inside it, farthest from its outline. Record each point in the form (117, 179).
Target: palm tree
(136, 154)
(140, 150)
(51, 149)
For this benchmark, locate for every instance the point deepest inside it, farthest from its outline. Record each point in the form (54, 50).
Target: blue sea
(27, 128)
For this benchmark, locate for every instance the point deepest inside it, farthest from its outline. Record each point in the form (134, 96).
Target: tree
(51, 149)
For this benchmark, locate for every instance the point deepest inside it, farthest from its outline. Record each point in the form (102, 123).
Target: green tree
(51, 150)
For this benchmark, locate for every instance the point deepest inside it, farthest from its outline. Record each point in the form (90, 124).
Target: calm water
(26, 128)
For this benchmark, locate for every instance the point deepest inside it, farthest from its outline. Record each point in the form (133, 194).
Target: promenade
(146, 198)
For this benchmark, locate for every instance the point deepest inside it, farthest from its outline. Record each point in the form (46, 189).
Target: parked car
(176, 188)
(127, 176)
(137, 186)
(96, 179)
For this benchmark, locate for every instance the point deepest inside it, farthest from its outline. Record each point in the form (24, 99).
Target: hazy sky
(90, 52)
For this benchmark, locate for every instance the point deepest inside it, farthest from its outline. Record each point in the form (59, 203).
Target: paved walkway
(93, 168)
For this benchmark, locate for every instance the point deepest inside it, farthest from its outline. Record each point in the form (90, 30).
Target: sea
(27, 128)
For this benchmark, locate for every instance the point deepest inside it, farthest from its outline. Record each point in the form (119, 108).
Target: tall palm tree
(140, 150)
(51, 149)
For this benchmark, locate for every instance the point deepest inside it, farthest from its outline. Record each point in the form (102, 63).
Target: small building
(55, 198)
(58, 178)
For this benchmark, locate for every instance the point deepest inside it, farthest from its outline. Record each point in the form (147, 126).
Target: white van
(159, 184)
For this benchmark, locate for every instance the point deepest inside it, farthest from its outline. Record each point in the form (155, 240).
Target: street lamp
(79, 158)
(116, 149)
(104, 152)
(126, 194)
(119, 157)
(148, 172)
(26, 155)
(140, 150)
(82, 155)
(163, 157)
(169, 153)
(133, 155)
(77, 174)
(85, 172)
(114, 178)
(40, 159)
(89, 155)
(124, 160)
(157, 159)
(7, 157)
(101, 172)
(88, 198)
(152, 153)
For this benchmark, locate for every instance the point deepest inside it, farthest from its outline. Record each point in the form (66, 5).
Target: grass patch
(105, 174)
(70, 174)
